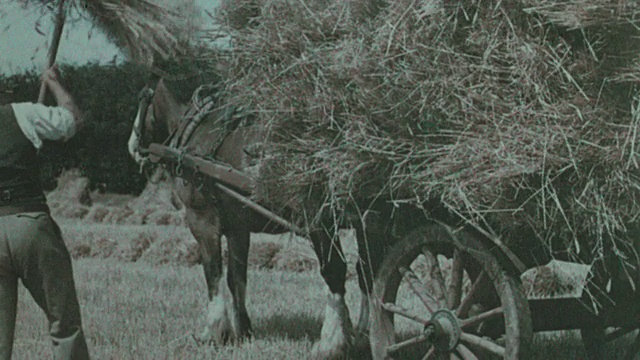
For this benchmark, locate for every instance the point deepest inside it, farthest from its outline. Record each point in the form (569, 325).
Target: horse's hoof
(361, 346)
(218, 338)
(199, 340)
(323, 351)
(206, 340)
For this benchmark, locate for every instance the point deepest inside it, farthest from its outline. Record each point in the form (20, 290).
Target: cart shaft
(572, 313)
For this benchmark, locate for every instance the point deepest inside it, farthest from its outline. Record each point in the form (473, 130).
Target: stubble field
(143, 294)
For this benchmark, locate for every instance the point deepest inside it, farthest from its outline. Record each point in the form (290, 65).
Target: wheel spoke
(442, 356)
(430, 354)
(481, 317)
(404, 312)
(618, 333)
(463, 310)
(635, 348)
(395, 348)
(420, 289)
(454, 291)
(483, 343)
(435, 274)
(465, 353)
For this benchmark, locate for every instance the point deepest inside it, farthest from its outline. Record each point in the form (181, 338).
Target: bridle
(179, 136)
(202, 103)
(145, 96)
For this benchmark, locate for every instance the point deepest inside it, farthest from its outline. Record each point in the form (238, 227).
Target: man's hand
(52, 74)
(52, 78)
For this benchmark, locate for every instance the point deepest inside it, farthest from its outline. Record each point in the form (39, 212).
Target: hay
(557, 279)
(98, 214)
(293, 259)
(157, 195)
(261, 254)
(71, 187)
(103, 248)
(158, 204)
(133, 250)
(143, 29)
(79, 251)
(174, 250)
(519, 117)
(71, 198)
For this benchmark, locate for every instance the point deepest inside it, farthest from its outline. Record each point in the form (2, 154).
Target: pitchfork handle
(53, 50)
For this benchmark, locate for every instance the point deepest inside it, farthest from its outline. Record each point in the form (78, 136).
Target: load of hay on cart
(509, 126)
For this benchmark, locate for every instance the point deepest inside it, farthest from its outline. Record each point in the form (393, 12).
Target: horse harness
(201, 105)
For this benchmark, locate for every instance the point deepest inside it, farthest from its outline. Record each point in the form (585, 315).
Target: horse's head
(163, 102)
(159, 113)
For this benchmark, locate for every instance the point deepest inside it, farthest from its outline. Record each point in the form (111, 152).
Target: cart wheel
(453, 301)
(594, 343)
(596, 339)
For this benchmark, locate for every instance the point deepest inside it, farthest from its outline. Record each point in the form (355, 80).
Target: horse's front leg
(203, 219)
(336, 337)
(204, 223)
(238, 244)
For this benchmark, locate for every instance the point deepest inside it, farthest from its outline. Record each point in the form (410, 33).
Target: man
(31, 246)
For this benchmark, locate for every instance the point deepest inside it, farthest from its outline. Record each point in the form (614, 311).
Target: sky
(25, 36)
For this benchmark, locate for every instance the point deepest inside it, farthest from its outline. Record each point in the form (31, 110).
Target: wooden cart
(447, 294)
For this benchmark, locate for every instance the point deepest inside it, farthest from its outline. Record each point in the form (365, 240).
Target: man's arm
(62, 96)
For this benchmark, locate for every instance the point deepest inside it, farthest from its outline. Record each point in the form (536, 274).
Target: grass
(139, 311)
(143, 310)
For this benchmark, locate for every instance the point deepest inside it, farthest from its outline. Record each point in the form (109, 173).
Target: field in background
(151, 229)
(143, 293)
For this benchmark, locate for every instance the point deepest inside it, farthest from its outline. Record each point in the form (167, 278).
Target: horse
(211, 213)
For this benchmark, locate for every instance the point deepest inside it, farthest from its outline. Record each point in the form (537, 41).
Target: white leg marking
(363, 319)
(218, 326)
(336, 336)
(233, 317)
(134, 140)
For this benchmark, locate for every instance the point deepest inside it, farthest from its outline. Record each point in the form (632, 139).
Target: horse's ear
(153, 78)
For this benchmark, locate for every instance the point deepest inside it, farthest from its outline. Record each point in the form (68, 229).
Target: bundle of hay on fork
(143, 29)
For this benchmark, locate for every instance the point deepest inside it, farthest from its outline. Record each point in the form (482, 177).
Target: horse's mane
(183, 77)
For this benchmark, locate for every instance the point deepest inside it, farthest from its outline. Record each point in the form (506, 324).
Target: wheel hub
(444, 330)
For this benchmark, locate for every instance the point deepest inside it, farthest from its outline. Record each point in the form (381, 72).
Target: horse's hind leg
(336, 336)
(371, 242)
(238, 243)
(204, 223)
(372, 234)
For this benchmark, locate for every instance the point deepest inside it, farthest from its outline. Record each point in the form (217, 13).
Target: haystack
(520, 117)
(158, 204)
(71, 198)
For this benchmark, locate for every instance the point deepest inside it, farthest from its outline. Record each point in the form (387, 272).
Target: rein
(143, 108)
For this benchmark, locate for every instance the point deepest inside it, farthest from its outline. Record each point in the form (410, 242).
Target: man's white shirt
(39, 122)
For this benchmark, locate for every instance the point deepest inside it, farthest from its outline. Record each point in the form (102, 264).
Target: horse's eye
(141, 94)
(145, 93)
